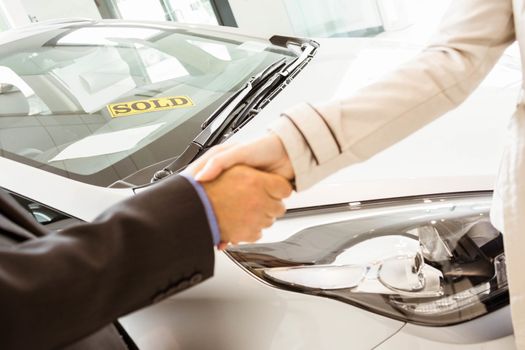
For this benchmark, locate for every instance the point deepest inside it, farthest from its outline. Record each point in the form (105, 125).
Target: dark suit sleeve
(62, 287)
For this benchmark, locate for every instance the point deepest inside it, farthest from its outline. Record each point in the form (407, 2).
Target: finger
(252, 234)
(220, 162)
(222, 245)
(275, 208)
(277, 186)
(198, 164)
(267, 221)
(255, 235)
(217, 149)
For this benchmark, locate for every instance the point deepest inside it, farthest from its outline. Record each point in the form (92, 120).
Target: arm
(309, 143)
(471, 39)
(64, 286)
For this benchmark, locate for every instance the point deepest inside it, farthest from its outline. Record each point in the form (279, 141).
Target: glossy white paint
(404, 341)
(75, 198)
(234, 311)
(492, 329)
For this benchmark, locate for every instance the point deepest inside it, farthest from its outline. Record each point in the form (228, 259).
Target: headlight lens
(434, 261)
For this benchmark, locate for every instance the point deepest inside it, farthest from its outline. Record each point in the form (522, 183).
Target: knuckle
(268, 221)
(285, 188)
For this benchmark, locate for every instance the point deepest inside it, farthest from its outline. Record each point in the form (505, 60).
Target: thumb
(221, 162)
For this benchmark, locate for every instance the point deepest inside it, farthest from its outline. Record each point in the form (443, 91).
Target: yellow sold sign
(124, 109)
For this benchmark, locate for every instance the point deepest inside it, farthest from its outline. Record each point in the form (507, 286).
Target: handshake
(245, 185)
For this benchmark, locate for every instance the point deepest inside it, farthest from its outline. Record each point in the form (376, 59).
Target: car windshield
(99, 102)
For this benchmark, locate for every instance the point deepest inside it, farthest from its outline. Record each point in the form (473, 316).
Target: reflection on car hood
(457, 152)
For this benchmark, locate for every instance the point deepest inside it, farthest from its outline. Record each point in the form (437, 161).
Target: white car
(396, 252)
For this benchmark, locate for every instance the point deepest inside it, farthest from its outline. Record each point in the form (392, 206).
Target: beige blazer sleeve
(323, 139)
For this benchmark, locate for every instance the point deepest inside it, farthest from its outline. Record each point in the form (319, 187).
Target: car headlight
(434, 261)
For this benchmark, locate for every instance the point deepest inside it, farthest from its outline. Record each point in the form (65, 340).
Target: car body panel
(493, 329)
(404, 341)
(247, 309)
(235, 311)
(74, 198)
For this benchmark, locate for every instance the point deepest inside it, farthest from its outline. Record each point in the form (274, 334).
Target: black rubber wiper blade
(272, 86)
(251, 107)
(266, 72)
(250, 85)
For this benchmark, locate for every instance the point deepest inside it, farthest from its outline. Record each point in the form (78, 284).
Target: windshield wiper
(253, 83)
(242, 106)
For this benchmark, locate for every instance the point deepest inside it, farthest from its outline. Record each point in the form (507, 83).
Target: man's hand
(266, 153)
(245, 201)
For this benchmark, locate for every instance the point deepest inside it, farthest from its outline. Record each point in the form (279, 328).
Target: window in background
(424, 19)
(348, 18)
(3, 20)
(3, 25)
(395, 14)
(184, 11)
(139, 9)
(334, 18)
(192, 11)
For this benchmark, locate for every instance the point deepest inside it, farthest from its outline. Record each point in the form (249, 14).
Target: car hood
(458, 152)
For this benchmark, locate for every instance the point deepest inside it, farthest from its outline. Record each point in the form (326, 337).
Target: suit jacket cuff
(210, 214)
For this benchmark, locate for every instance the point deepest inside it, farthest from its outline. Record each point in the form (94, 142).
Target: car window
(99, 102)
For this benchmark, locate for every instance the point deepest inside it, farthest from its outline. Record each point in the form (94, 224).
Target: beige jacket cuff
(312, 145)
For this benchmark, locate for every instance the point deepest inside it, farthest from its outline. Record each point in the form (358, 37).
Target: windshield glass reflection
(93, 86)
